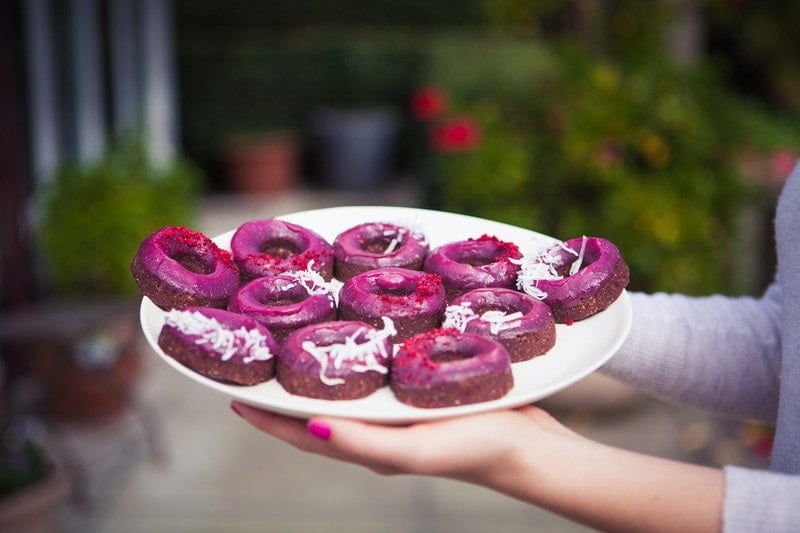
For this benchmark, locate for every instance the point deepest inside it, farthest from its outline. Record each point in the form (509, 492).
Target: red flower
(428, 102)
(782, 162)
(457, 134)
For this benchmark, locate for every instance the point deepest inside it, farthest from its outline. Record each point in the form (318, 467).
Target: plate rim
(404, 414)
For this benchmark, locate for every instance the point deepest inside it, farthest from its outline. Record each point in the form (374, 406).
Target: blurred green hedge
(643, 155)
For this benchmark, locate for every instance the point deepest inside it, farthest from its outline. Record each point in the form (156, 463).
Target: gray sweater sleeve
(721, 354)
(757, 500)
(717, 353)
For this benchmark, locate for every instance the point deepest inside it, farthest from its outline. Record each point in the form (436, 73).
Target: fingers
(379, 448)
(463, 448)
(315, 436)
(284, 428)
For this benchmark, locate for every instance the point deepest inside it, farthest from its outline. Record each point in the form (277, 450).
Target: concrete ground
(182, 462)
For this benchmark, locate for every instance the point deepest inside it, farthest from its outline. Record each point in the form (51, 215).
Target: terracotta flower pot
(262, 163)
(85, 355)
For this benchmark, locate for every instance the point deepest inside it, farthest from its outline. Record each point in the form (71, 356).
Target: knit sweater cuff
(756, 500)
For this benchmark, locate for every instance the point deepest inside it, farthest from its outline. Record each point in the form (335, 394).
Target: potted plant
(354, 130)
(33, 486)
(91, 219)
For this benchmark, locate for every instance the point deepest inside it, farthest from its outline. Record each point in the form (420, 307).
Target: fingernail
(235, 409)
(320, 430)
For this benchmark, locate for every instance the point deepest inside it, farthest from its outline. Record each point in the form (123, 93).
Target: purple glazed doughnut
(518, 321)
(474, 263)
(444, 367)
(577, 278)
(176, 268)
(220, 345)
(336, 360)
(414, 300)
(268, 247)
(285, 302)
(376, 245)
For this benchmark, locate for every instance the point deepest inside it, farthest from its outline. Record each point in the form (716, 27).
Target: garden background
(665, 126)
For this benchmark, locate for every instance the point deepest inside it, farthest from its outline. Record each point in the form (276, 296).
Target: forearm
(527, 454)
(614, 489)
(716, 353)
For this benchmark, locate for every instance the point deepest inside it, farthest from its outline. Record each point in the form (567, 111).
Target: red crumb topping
(182, 235)
(508, 249)
(569, 322)
(419, 346)
(429, 285)
(295, 262)
(196, 241)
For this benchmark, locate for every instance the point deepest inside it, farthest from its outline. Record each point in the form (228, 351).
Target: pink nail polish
(320, 430)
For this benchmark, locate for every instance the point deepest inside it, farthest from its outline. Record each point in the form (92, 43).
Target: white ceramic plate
(579, 350)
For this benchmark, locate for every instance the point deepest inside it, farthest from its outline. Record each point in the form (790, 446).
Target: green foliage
(22, 462)
(642, 154)
(93, 217)
(588, 125)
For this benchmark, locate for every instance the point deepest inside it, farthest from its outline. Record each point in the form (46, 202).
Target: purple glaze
(294, 357)
(191, 327)
(536, 315)
(282, 303)
(474, 263)
(393, 292)
(601, 261)
(363, 247)
(268, 247)
(445, 367)
(175, 261)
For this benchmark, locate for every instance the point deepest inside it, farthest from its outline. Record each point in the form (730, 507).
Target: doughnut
(577, 278)
(377, 244)
(414, 300)
(285, 302)
(518, 321)
(483, 262)
(444, 367)
(342, 360)
(220, 345)
(267, 247)
(176, 268)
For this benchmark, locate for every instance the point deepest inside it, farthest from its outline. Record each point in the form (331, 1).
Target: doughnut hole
(291, 296)
(476, 256)
(282, 248)
(379, 245)
(394, 285)
(446, 356)
(498, 306)
(193, 262)
(590, 254)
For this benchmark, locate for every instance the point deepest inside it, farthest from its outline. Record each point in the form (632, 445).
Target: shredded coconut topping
(576, 265)
(543, 266)
(311, 280)
(412, 227)
(216, 337)
(397, 239)
(458, 316)
(501, 321)
(362, 355)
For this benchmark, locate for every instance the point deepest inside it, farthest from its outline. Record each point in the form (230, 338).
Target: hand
(524, 453)
(475, 448)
